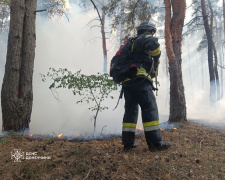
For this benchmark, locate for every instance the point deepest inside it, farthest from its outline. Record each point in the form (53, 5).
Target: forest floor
(197, 152)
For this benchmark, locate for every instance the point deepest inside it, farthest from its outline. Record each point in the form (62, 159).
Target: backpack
(121, 62)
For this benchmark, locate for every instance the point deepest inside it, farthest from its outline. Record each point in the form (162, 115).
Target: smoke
(69, 45)
(63, 44)
(196, 84)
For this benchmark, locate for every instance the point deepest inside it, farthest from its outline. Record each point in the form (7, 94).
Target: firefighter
(138, 90)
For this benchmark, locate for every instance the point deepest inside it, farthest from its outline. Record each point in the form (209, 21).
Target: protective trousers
(140, 94)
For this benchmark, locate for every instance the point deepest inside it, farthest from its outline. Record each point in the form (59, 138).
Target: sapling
(91, 88)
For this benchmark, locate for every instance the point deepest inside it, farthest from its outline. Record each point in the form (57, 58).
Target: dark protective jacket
(139, 92)
(145, 48)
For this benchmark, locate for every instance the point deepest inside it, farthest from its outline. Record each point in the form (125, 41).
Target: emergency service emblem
(17, 155)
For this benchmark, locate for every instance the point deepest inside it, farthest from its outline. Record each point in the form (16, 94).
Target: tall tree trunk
(17, 91)
(210, 54)
(104, 41)
(173, 37)
(215, 53)
(216, 73)
(221, 70)
(222, 59)
(224, 18)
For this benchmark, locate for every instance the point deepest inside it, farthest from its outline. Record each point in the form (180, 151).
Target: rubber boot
(130, 146)
(160, 146)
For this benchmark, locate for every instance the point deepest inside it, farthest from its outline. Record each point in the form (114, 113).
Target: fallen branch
(201, 143)
(87, 174)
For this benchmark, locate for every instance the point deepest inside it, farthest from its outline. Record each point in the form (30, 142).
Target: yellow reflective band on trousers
(151, 126)
(156, 52)
(131, 127)
(152, 123)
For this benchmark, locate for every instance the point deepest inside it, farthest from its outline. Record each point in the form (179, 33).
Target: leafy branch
(92, 88)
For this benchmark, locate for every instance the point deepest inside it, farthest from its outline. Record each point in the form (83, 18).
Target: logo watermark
(17, 155)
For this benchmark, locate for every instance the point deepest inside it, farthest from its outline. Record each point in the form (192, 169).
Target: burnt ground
(197, 153)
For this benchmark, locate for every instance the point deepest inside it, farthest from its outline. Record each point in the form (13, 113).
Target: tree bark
(222, 59)
(17, 91)
(221, 70)
(173, 37)
(216, 73)
(215, 53)
(210, 54)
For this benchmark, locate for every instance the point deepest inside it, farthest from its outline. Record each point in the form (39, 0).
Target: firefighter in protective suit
(138, 91)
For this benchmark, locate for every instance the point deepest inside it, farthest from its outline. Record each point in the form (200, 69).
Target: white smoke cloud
(63, 44)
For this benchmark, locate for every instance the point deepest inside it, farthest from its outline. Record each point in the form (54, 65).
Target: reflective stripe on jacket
(141, 72)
